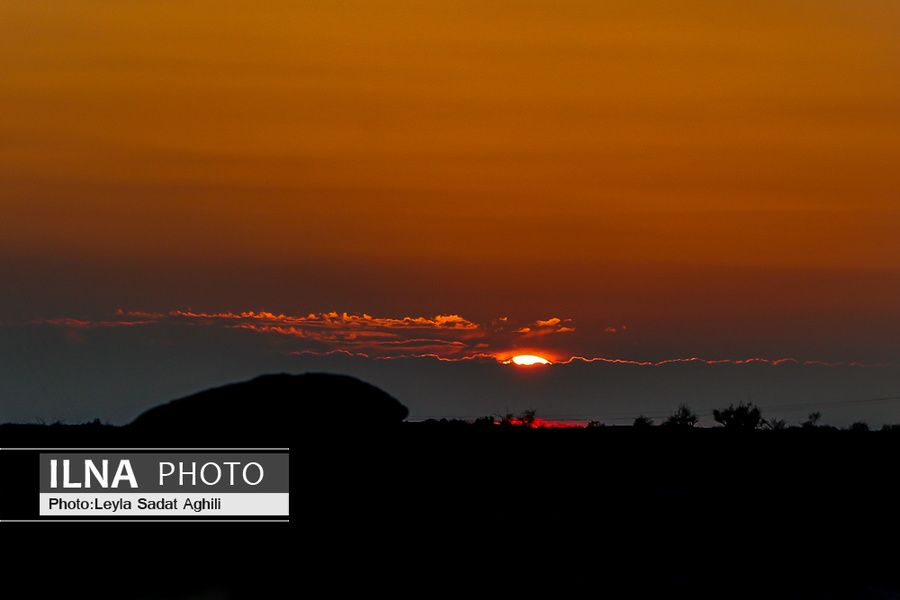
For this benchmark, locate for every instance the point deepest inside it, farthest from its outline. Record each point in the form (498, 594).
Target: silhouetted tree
(859, 426)
(813, 419)
(743, 416)
(683, 417)
(643, 421)
(527, 418)
(488, 420)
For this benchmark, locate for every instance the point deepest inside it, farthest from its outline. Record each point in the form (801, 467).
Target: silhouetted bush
(741, 417)
(813, 419)
(683, 417)
(526, 419)
(643, 421)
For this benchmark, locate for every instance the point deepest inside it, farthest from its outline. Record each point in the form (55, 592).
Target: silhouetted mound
(270, 409)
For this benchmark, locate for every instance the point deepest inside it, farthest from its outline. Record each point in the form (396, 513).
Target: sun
(528, 359)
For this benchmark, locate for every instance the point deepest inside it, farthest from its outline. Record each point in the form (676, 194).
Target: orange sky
(722, 175)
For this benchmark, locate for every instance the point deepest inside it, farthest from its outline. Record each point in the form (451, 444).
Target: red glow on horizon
(558, 424)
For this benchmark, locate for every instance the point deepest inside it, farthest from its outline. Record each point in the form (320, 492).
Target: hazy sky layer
(640, 181)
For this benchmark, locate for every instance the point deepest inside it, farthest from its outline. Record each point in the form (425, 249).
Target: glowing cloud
(442, 337)
(447, 337)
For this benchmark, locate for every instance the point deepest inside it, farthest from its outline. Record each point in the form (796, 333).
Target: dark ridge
(269, 410)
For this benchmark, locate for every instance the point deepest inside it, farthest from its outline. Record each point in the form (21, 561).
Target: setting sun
(529, 359)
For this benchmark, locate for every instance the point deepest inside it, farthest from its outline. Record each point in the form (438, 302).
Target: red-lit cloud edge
(442, 337)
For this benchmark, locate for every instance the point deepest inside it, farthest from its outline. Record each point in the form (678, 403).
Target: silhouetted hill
(269, 410)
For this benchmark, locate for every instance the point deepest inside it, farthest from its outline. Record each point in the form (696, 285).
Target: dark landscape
(798, 512)
(580, 299)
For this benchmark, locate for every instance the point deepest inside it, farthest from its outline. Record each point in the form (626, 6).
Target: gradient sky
(637, 181)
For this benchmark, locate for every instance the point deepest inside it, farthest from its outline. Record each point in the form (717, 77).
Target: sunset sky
(196, 192)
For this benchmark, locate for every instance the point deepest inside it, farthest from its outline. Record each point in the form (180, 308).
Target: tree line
(743, 417)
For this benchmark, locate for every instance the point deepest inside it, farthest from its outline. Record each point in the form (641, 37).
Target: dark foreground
(617, 512)
(629, 512)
